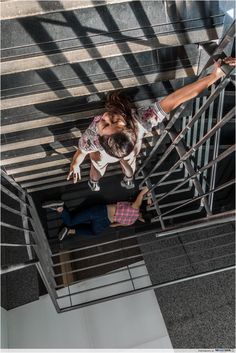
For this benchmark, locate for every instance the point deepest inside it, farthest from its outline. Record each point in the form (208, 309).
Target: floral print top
(147, 118)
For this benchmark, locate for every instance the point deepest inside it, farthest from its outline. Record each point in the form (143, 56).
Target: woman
(95, 219)
(117, 134)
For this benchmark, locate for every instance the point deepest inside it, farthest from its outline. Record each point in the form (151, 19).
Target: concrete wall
(130, 322)
(4, 328)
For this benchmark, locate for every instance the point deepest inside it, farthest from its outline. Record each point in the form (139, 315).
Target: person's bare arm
(192, 90)
(75, 166)
(113, 225)
(138, 202)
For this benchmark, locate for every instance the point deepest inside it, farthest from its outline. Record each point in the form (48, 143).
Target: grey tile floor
(198, 313)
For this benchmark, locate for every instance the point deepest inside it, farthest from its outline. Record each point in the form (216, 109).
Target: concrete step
(103, 24)
(101, 70)
(109, 50)
(88, 103)
(54, 182)
(41, 140)
(12, 9)
(11, 124)
(99, 87)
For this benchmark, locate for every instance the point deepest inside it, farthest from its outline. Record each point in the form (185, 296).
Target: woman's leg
(100, 220)
(128, 167)
(97, 170)
(94, 174)
(82, 229)
(72, 220)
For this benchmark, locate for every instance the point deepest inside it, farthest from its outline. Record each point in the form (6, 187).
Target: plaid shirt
(125, 213)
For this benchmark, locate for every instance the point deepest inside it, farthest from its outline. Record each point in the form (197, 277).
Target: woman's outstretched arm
(138, 202)
(192, 90)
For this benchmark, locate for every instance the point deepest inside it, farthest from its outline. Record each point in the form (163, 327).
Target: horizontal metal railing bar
(205, 167)
(17, 244)
(52, 216)
(58, 287)
(192, 150)
(10, 194)
(141, 276)
(137, 256)
(206, 260)
(54, 219)
(11, 268)
(181, 214)
(10, 209)
(167, 204)
(111, 33)
(164, 218)
(103, 286)
(11, 181)
(211, 259)
(140, 290)
(218, 188)
(208, 222)
(132, 247)
(15, 227)
(212, 220)
(184, 131)
(101, 254)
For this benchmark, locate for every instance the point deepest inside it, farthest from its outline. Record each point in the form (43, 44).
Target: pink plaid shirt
(125, 213)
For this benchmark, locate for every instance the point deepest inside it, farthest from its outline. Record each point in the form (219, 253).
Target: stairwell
(59, 59)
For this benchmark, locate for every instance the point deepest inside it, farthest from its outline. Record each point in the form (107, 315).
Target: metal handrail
(223, 155)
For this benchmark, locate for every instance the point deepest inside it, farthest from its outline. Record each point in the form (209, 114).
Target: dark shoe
(94, 185)
(62, 233)
(53, 205)
(127, 183)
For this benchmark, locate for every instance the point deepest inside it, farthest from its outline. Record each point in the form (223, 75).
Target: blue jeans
(91, 221)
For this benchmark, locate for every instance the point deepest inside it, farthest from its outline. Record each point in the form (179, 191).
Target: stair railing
(37, 240)
(188, 154)
(75, 294)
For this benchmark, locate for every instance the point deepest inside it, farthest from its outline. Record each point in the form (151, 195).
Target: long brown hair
(118, 103)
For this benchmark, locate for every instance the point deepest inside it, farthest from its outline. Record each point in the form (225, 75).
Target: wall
(4, 328)
(129, 322)
(123, 323)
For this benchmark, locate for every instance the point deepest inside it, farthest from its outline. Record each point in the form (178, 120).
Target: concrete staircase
(59, 59)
